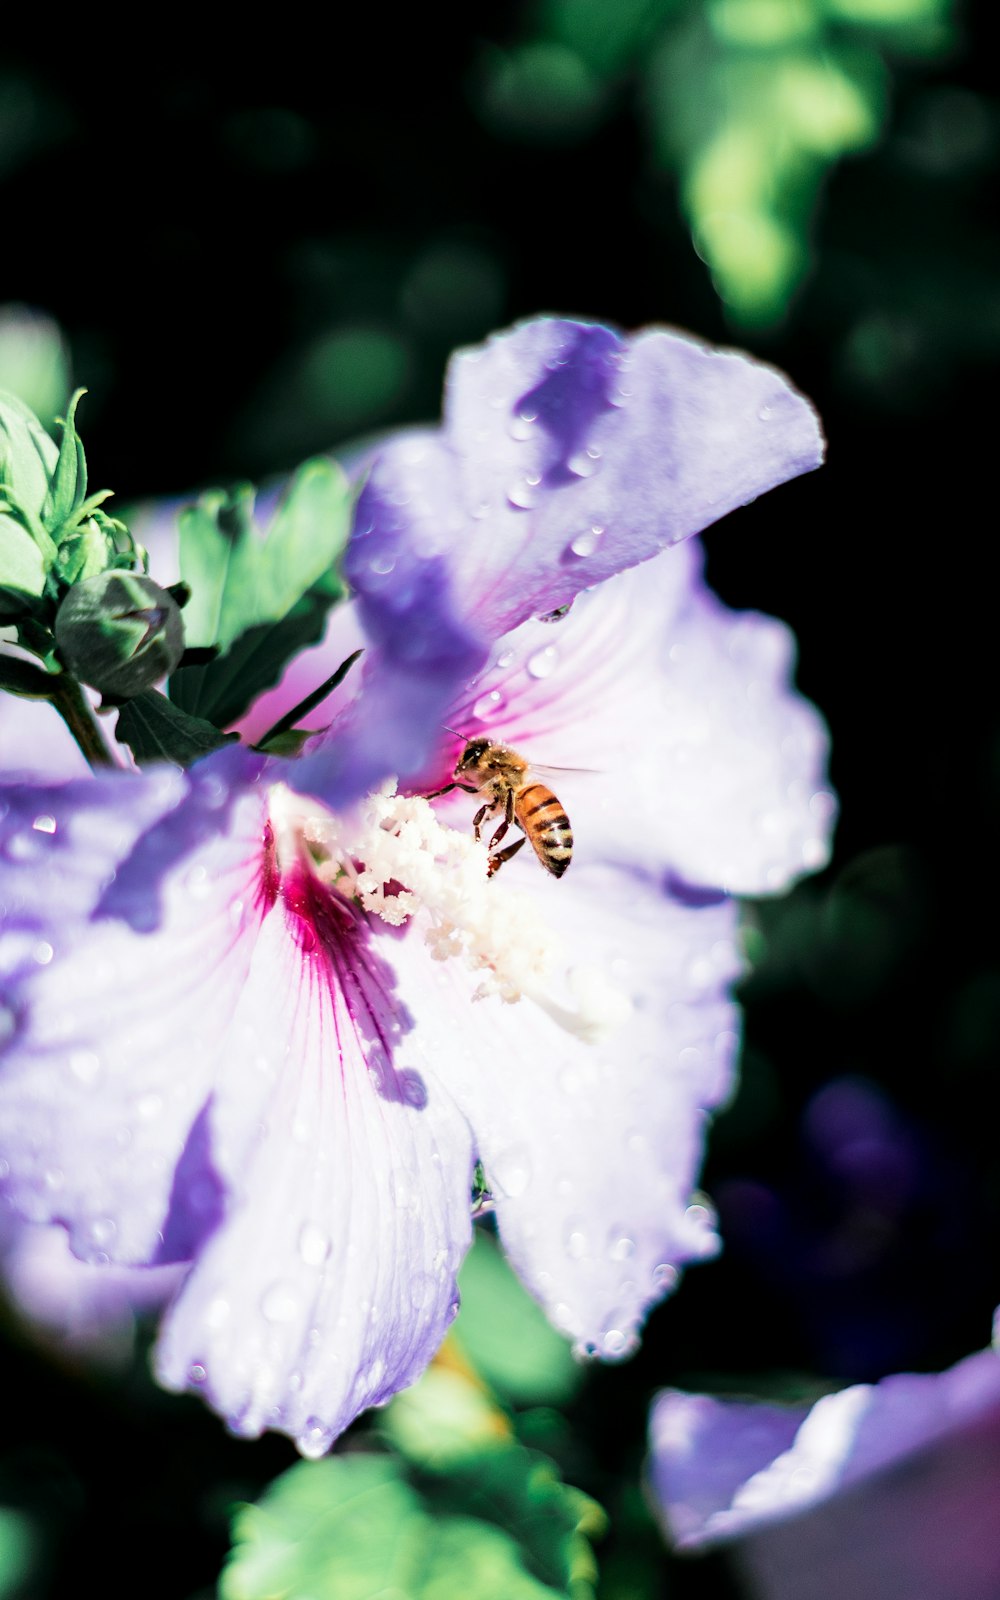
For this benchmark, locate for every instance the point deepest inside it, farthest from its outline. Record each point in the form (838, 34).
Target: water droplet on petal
(586, 543)
(543, 662)
(196, 1373)
(279, 1303)
(487, 705)
(522, 425)
(766, 413)
(44, 824)
(42, 953)
(314, 1245)
(511, 1171)
(382, 564)
(615, 1342)
(217, 1312)
(315, 1439)
(505, 659)
(85, 1065)
(584, 463)
(524, 492)
(620, 1246)
(665, 1276)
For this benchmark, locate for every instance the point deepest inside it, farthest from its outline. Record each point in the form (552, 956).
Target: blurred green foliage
(34, 361)
(18, 1548)
(750, 103)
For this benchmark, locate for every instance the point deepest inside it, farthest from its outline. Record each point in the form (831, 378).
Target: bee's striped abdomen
(546, 826)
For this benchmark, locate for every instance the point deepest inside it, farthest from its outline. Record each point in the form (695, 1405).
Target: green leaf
(359, 1528)
(222, 689)
(23, 678)
(239, 578)
(68, 487)
(507, 1336)
(259, 599)
(155, 730)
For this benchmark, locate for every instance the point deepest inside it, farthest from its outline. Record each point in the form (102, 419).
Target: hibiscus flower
(276, 1021)
(882, 1491)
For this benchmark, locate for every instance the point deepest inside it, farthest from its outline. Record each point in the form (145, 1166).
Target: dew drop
(543, 662)
(382, 564)
(523, 493)
(44, 824)
(615, 1342)
(586, 543)
(314, 1245)
(279, 1303)
(584, 463)
(196, 1373)
(576, 1241)
(665, 1276)
(487, 705)
(511, 1171)
(217, 1312)
(315, 1439)
(765, 413)
(42, 953)
(85, 1065)
(522, 425)
(505, 659)
(197, 882)
(620, 1246)
(103, 1230)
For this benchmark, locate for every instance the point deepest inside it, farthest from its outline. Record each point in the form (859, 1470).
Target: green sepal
(284, 738)
(24, 678)
(261, 598)
(155, 730)
(68, 486)
(27, 459)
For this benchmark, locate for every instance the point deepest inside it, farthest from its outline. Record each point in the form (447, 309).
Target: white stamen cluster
(394, 857)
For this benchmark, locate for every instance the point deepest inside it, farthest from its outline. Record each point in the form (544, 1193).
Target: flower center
(394, 858)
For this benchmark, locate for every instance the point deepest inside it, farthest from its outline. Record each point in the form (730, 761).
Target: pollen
(395, 859)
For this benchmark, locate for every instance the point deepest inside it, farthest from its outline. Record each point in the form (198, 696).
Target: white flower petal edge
(95, 1113)
(332, 1281)
(723, 1470)
(588, 1098)
(708, 761)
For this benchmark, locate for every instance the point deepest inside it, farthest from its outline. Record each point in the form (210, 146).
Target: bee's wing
(548, 772)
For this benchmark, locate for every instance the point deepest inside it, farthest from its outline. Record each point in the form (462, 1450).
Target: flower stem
(74, 708)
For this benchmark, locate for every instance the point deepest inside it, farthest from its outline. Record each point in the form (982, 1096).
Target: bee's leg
(480, 816)
(497, 861)
(505, 824)
(467, 788)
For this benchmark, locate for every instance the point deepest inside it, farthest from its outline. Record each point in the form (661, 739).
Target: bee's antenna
(455, 731)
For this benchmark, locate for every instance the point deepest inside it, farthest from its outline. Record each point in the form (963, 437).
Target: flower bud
(119, 632)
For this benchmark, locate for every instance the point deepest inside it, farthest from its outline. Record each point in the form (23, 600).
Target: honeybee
(500, 775)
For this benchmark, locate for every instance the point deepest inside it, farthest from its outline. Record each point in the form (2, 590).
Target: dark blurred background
(259, 251)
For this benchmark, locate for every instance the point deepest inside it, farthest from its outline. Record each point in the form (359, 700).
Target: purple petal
(708, 763)
(332, 1281)
(880, 1491)
(592, 1150)
(568, 453)
(131, 908)
(85, 1309)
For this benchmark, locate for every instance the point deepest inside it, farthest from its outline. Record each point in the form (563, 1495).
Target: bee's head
(473, 754)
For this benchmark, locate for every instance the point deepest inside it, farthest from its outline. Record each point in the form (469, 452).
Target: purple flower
(883, 1491)
(265, 1018)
